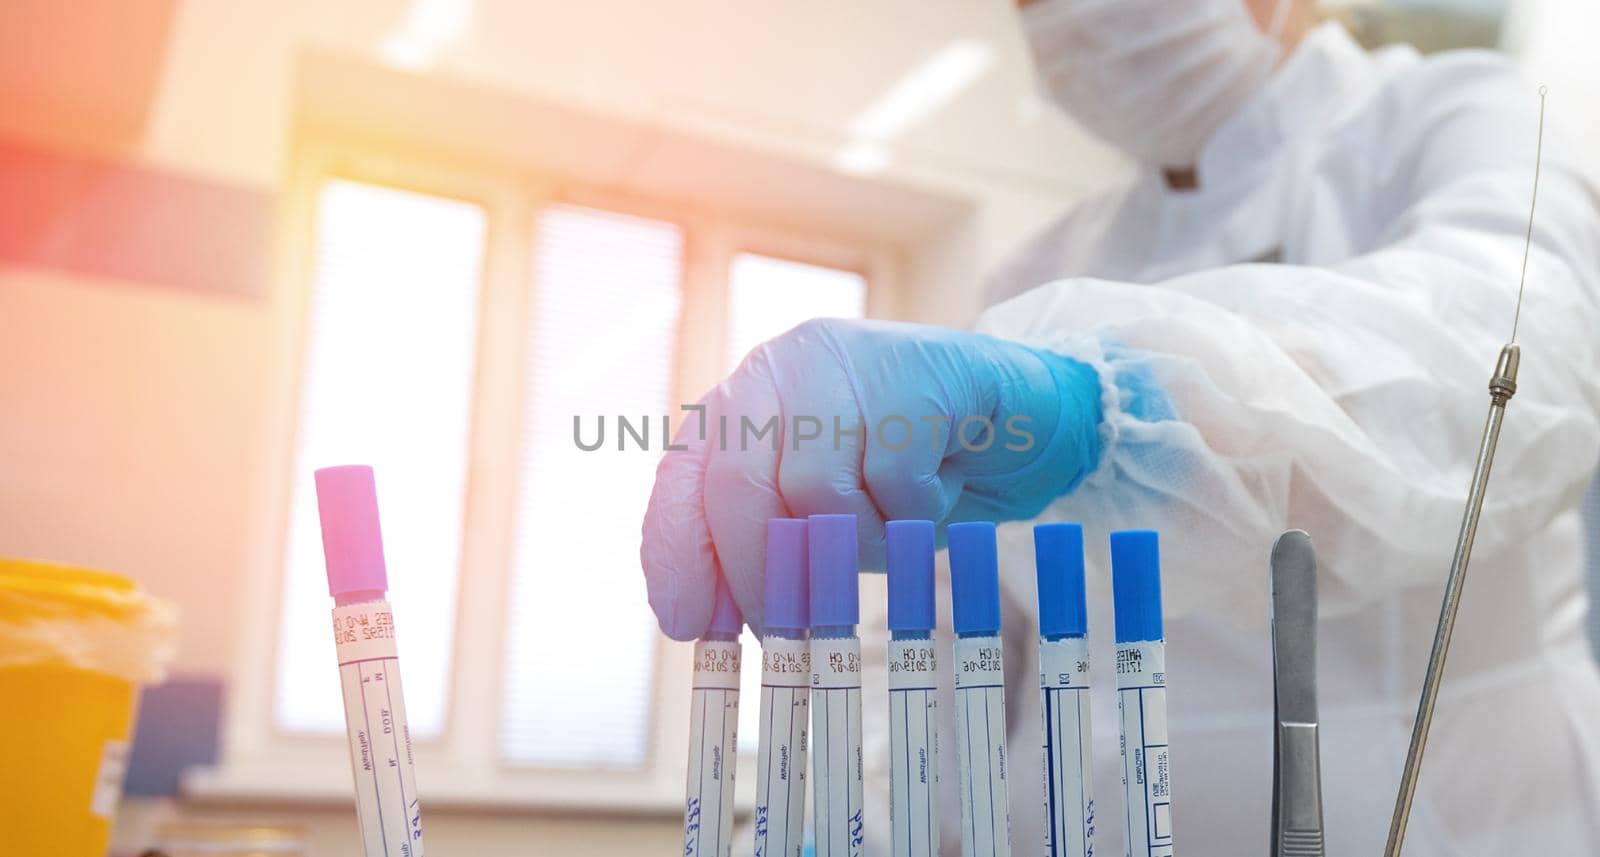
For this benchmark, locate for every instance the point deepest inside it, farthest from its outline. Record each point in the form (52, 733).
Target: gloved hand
(876, 419)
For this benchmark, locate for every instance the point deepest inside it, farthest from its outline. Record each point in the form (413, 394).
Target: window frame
(464, 765)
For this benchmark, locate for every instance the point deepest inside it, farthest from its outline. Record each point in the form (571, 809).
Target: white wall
(773, 74)
(130, 419)
(1555, 40)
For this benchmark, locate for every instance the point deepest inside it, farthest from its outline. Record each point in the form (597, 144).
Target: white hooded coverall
(1322, 316)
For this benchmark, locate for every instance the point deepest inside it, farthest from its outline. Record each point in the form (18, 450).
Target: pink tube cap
(347, 499)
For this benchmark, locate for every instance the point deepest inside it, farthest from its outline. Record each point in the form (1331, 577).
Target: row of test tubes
(811, 695)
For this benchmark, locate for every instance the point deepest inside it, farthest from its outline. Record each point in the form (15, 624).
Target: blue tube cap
(352, 542)
(835, 571)
(725, 615)
(1136, 585)
(974, 578)
(788, 596)
(1058, 559)
(908, 553)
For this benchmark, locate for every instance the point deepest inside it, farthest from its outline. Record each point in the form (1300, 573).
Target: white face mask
(1155, 78)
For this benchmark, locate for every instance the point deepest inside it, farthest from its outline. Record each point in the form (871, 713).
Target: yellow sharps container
(75, 645)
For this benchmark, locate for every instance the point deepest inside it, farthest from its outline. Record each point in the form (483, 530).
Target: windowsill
(557, 792)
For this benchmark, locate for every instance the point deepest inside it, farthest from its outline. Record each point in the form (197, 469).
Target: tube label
(981, 748)
(713, 750)
(1146, 768)
(387, 808)
(781, 761)
(836, 757)
(363, 631)
(716, 665)
(913, 748)
(1068, 747)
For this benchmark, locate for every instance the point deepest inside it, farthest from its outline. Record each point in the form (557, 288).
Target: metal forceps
(1296, 764)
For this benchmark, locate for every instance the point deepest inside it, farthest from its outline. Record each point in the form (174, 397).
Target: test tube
(1064, 688)
(785, 694)
(1142, 691)
(980, 691)
(713, 733)
(387, 808)
(836, 756)
(913, 695)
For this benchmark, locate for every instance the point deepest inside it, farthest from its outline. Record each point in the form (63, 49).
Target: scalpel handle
(1297, 830)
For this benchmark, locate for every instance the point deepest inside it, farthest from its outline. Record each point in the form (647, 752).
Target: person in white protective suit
(1342, 390)
(1291, 312)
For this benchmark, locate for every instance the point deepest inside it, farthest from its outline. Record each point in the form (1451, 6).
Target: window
(392, 270)
(448, 333)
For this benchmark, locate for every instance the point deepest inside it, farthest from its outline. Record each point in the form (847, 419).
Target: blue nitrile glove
(1031, 421)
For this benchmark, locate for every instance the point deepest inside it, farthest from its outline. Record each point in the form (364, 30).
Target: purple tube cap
(352, 542)
(908, 552)
(835, 570)
(1136, 585)
(788, 596)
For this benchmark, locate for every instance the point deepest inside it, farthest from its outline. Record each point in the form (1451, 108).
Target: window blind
(580, 657)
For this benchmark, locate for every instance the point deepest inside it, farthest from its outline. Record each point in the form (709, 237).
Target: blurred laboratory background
(239, 241)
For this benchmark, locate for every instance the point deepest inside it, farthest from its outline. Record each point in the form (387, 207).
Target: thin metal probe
(1538, 158)
(1502, 386)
